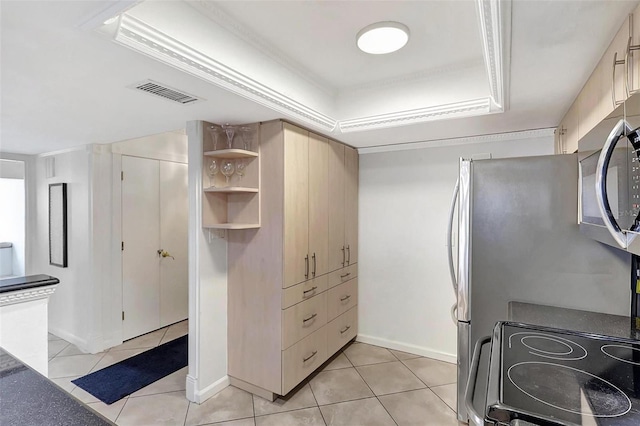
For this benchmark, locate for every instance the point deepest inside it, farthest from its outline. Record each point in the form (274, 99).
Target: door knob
(165, 253)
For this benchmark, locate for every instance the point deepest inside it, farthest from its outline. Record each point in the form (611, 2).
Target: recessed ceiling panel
(321, 36)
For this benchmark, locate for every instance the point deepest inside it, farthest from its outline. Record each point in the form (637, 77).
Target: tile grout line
(374, 394)
(121, 410)
(445, 403)
(317, 404)
(186, 415)
(415, 375)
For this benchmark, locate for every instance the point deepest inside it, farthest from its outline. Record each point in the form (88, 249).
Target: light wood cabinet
(343, 199)
(606, 88)
(279, 276)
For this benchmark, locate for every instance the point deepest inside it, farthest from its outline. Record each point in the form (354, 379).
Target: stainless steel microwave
(609, 157)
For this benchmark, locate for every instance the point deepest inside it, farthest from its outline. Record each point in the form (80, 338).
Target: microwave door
(611, 167)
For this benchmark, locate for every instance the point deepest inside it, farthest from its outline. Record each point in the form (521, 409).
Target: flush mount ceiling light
(382, 37)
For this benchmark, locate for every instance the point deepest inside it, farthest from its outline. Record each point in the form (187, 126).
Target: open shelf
(233, 226)
(231, 153)
(232, 190)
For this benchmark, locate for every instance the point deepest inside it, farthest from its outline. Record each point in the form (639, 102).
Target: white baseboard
(200, 396)
(406, 347)
(82, 344)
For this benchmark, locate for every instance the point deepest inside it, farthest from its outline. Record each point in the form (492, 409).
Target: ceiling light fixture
(382, 37)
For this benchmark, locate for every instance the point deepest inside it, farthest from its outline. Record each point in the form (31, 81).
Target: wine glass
(216, 132)
(247, 137)
(227, 169)
(211, 171)
(240, 169)
(230, 132)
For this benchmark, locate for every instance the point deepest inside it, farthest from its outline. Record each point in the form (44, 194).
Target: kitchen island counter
(29, 398)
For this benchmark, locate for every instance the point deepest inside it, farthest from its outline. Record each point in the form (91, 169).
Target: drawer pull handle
(344, 330)
(345, 275)
(310, 318)
(342, 299)
(314, 353)
(310, 290)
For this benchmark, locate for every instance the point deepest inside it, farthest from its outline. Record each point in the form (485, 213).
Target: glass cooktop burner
(558, 377)
(556, 385)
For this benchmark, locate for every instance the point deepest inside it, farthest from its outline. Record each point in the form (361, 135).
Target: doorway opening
(12, 218)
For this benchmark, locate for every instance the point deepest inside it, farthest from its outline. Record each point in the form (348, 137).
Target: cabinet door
(336, 206)
(296, 205)
(318, 205)
(351, 204)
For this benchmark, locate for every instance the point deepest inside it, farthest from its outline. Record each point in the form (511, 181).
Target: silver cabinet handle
(314, 264)
(616, 62)
(314, 353)
(306, 268)
(348, 254)
(345, 275)
(342, 255)
(344, 330)
(342, 299)
(310, 290)
(310, 318)
(628, 58)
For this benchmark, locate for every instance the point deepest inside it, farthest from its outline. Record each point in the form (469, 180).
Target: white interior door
(141, 238)
(174, 207)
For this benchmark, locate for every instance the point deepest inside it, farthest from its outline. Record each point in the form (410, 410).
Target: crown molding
(98, 17)
(143, 38)
(420, 115)
(215, 13)
(28, 295)
(495, 30)
(495, 137)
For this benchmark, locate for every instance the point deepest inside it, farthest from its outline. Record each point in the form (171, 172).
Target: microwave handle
(619, 130)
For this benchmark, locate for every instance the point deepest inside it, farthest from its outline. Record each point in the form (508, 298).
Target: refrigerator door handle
(464, 240)
(452, 272)
(619, 130)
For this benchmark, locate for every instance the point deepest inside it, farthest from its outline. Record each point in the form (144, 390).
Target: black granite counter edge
(573, 319)
(29, 398)
(28, 282)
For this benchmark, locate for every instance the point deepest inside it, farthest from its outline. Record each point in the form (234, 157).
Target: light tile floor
(362, 385)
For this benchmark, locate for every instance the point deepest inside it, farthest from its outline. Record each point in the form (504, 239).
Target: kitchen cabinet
(605, 89)
(343, 199)
(284, 298)
(306, 205)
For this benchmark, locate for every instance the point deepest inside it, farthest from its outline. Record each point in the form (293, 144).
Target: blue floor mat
(119, 380)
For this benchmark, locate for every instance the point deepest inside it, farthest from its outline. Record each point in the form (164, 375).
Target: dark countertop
(23, 283)
(28, 398)
(573, 319)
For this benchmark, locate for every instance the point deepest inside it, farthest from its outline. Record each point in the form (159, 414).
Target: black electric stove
(547, 376)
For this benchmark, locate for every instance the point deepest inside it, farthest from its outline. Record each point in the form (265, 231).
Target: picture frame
(58, 224)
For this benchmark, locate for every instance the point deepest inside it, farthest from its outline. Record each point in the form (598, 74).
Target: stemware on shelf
(230, 131)
(216, 133)
(241, 166)
(247, 137)
(212, 169)
(227, 169)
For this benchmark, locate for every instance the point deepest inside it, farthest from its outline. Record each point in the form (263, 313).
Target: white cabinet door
(141, 237)
(174, 207)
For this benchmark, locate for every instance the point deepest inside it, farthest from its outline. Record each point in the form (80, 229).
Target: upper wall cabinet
(614, 78)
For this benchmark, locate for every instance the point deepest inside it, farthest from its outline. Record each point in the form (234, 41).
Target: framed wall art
(58, 224)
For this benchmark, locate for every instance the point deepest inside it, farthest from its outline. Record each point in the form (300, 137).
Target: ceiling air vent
(157, 89)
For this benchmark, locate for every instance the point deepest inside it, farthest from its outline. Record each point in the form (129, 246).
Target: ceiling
(470, 67)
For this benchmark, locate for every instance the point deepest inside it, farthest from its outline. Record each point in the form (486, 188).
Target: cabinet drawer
(303, 358)
(343, 275)
(303, 319)
(341, 330)
(341, 298)
(304, 291)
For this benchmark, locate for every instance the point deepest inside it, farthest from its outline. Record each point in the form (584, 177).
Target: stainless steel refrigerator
(518, 240)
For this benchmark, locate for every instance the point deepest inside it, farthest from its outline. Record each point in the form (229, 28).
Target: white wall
(405, 292)
(207, 289)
